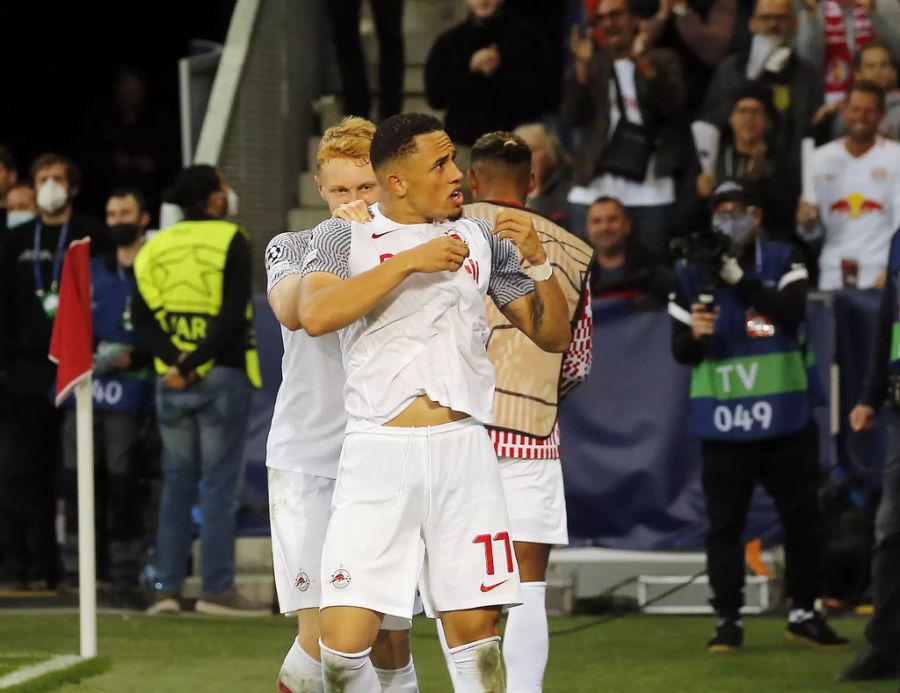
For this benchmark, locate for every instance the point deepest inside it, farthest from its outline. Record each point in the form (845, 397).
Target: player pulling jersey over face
(418, 490)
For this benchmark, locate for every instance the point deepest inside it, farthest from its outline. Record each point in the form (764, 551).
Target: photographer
(738, 319)
(879, 658)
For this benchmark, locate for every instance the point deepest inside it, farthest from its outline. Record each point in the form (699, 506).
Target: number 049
(760, 413)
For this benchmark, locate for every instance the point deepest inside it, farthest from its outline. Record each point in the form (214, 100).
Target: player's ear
(397, 184)
(532, 182)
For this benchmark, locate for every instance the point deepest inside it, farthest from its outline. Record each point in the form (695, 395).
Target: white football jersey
(859, 204)
(426, 337)
(308, 422)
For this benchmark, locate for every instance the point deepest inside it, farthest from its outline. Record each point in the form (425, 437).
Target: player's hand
(444, 254)
(703, 321)
(519, 228)
(807, 214)
(706, 183)
(357, 210)
(862, 418)
(174, 380)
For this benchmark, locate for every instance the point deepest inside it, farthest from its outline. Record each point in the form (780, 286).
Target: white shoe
(164, 604)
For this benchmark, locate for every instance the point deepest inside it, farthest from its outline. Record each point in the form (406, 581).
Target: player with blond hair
(308, 429)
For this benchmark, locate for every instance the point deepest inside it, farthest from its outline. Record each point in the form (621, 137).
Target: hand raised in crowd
(485, 60)
(827, 110)
(862, 418)
(444, 254)
(703, 320)
(519, 227)
(807, 214)
(357, 210)
(581, 43)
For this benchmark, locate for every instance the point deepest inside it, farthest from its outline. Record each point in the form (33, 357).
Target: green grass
(9, 663)
(193, 653)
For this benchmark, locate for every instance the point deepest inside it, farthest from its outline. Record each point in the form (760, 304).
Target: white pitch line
(20, 676)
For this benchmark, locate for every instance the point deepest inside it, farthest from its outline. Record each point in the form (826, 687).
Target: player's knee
(462, 627)
(348, 629)
(391, 649)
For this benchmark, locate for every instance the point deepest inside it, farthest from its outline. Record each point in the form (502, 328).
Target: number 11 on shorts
(488, 542)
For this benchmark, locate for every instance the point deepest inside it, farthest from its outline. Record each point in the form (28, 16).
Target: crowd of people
(677, 169)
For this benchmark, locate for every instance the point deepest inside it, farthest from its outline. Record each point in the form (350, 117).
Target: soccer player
(308, 429)
(418, 492)
(525, 432)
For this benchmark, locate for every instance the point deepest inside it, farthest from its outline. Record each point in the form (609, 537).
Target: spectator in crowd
(796, 84)
(634, 155)
(31, 263)
(20, 204)
(9, 174)
(388, 17)
(874, 63)
(831, 34)
(486, 72)
(623, 266)
(123, 404)
(749, 432)
(192, 312)
(744, 153)
(857, 189)
(552, 171)
(878, 658)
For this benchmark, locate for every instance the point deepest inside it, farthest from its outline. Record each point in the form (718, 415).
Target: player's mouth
(457, 197)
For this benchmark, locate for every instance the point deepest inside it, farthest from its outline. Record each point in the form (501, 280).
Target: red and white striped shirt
(576, 366)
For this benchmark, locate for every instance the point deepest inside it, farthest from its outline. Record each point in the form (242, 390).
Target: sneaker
(729, 636)
(165, 603)
(871, 665)
(228, 604)
(814, 631)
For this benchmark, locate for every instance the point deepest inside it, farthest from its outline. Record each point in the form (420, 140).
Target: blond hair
(349, 139)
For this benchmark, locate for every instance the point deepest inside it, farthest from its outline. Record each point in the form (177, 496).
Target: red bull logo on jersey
(340, 578)
(856, 205)
(301, 582)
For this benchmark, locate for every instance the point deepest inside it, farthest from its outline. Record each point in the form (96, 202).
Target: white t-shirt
(652, 191)
(308, 421)
(859, 205)
(427, 336)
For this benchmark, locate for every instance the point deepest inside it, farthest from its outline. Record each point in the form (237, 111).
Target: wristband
(540, 273)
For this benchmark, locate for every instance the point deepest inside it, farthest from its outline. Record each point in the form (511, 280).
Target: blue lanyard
(57, 259)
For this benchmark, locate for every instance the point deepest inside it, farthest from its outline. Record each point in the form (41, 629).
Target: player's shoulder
(478, 226)
(332, 225)
(289, 245)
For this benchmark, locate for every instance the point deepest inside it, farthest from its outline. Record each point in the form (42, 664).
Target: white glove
(731, 271)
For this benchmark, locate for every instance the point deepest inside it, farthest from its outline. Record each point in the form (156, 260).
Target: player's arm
(330, 299)
(542, 314)
(284, 263)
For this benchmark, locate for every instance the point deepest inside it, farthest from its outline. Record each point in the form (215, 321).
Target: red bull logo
(301, 582)
(856, 205)
(340, 578)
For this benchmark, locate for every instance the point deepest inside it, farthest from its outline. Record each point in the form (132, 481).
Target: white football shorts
(419, 506)
(535, 500)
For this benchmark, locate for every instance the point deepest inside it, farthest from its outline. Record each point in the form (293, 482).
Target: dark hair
(869, 88)
(50, 159)
(396, 137)
(125, 191)
(191, 190)
(857, 59)
(7, 160)
(609, 199)
(502, 147)
(758, 92)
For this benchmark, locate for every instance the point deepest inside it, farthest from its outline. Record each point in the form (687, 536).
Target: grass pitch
(198, 654)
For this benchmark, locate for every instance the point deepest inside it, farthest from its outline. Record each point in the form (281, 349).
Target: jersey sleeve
(284, 256)
(507, 281)
(329, 249)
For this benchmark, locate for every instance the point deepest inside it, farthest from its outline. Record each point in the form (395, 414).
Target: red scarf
(838, 55)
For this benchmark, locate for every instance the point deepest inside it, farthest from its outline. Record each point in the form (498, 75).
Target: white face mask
(232, 208)
(16, 218)
(739, 226)
(52, 197)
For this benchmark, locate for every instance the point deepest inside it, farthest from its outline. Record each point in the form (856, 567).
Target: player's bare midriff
(425, 412)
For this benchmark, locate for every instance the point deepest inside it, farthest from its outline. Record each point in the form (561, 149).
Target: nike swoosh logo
(379, 235)
(488, 588)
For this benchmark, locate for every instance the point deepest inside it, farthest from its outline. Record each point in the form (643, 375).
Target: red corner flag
(72, 343)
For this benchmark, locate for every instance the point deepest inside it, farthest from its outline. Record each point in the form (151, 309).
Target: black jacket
(477, 104)
(642, 273)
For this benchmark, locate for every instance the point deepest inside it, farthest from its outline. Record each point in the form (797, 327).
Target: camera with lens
(704, 248)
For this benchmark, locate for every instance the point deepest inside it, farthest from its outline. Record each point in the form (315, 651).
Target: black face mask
(124, 234)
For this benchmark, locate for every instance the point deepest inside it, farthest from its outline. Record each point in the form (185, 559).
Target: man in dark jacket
(796, 84)
(650, 86)
(487, 73)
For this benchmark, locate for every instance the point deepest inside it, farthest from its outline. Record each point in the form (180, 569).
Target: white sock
(399, 680)
(348, 673)
(300, 673)
(526, 641)
(479, 667)
(448, 658)
(800, 615)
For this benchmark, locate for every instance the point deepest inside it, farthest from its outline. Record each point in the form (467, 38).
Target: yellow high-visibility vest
(180, 273)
